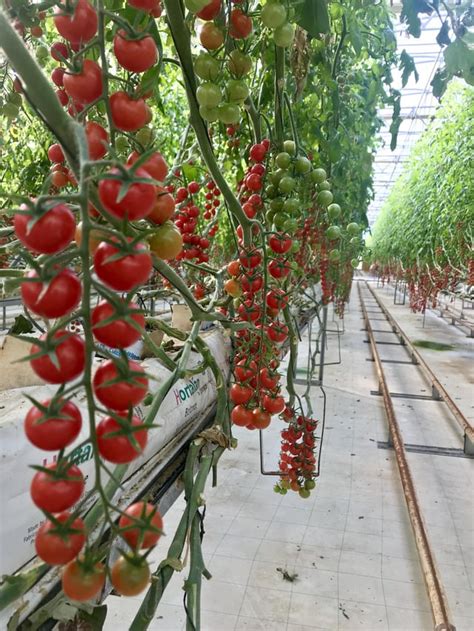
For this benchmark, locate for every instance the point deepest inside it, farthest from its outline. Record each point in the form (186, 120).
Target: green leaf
(440, 82)
(409, 14)
(314, 17)
(459, 59)
(407, 66)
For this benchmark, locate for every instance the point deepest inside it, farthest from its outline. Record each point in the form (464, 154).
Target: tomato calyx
(141, 525)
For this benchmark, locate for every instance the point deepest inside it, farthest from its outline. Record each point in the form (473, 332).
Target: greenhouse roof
(417, 107)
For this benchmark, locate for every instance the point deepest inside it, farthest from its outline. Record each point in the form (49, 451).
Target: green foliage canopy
(429, 214)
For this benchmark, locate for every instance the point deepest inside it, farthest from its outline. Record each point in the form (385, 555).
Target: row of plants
(424, 232)
(214, 153)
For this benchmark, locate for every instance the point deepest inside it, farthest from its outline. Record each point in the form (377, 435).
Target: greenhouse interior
(237, 315)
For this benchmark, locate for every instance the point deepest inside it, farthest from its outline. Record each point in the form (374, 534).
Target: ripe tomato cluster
(297, 459)
(46, 227)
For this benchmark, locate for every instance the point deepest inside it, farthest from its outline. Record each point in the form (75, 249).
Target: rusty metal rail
(436, 595)
(437, 388)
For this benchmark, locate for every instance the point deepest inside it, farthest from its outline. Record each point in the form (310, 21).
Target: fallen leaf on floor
(291, 578)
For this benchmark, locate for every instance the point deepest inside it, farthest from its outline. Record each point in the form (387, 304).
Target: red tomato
(210, 11)
(146, 519)
(144, 5)
(59, 51)
(119, 333)
(97, 140)
(135, 55)
(250, 259)
(78, 25)
(137, 202)
(57, 298)
(164, 207)
(277, 332)
(57, 547)
(233, 268)
(240, 24)
(125, 273)
(118, 447)
(276, 299)
(54, 429)
(155, 166)
(46, 233)
(241, 416)
(280, 243)
(119, 391)
(258, 152)
(251, 285)
(55, 491)
(55, 153)
(249, 311)
(273, 405)
(260, 418)
(267, 379)
(70, 355)
(129, 577)
(245, 370)
(240, 394)
(278, 268)
(128, 114)
(85, 86)
(82, 583)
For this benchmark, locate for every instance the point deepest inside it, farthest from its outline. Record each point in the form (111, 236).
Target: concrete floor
(350, 543)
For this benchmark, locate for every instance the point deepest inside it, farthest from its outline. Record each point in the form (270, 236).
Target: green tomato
(277, 175)
(206, 67)
(309, 485)
(333, 232)
(291, 205)
(239, 63)
(355, 241)
(355, 263)
(295, 246)
(302, 165)
(290, 225)
(287, 184)
(122, 144)
(209, 95)
(334, 211)
(271, 191)
(290, 147)
(237, 90)
(273, 15)
(324, 198)
(334, 256)
(283, 160)
(229, 113)
(42, 52)
(352, 228)
(269, 215)
(279, 220)
(144, 135)
(318, 175)
(283, 36)
(277, 204)
(325, 186)
(209, 114)
(304, 493)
